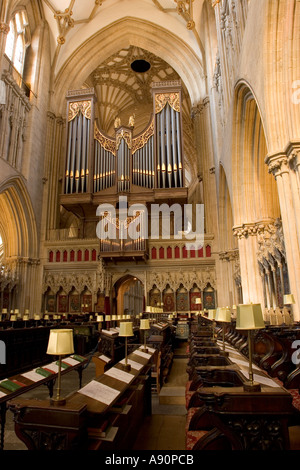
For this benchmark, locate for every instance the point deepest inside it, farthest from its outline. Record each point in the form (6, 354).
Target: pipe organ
(105, 162)
(151, 160)
(77, 171)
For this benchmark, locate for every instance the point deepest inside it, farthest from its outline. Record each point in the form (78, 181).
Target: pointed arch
(123, 33)
(17, 223)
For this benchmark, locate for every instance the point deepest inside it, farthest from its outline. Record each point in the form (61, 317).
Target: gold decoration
(105, 142)
(122, 223)
(161, 99)
(77, 106)
(127, 136)
(190, 24)
(142, 139)
(61, 40)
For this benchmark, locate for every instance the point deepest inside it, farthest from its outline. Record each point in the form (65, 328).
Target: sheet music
(134, 365)
(119, 375)
(104, 358)
(109, 332)
(52, 366)
(71, 361)
(99, 392)
(141, 353)
(32, 375)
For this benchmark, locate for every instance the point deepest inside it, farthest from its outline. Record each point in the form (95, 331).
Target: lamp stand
(58, 400)
(145, 347)
(251, 386)
(223, 352)
(126, 366)
(213, 329)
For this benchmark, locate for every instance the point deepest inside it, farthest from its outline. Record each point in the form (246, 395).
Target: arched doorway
(128, 296)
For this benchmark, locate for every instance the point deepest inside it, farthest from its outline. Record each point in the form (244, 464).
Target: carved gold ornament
(123, 134)
(141, 140)
(161, 99)
(105, 142)
(80, 106)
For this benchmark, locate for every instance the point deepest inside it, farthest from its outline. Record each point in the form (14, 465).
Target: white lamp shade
(13, 317)
(114, 317)
(126, 329)
(145, 325)
(60, 342)
(4, 310)
(212, 314)
(288, 299)
(16, 311)
(127, 317)
(223, 314)
(234, 307)
(26, 317)
(107, 317)
(46, 317)
(37, 316)
(249, 317)
(148, 309)
(99, 318)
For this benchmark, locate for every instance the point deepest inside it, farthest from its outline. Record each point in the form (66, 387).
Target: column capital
(199, 108)
(245, 230)
(277, 164)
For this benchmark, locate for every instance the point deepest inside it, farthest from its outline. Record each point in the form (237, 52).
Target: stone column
(288, 193)
(250, 272)
(226, 287)
(205, 162)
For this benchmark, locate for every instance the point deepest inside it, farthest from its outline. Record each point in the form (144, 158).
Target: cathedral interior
(150, 170)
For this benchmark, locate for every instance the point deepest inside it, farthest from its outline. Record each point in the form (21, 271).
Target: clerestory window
(16, 41)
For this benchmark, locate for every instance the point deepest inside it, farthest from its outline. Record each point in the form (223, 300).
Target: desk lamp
(249, 317)
(211, 316)
(25, 318)
(99, 321)
(288, 299)
(126, 330)
(107, 321)
(60, 343)
(223, 315)
(144, 325)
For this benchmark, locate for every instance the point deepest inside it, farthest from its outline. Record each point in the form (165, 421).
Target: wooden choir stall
(105, 414)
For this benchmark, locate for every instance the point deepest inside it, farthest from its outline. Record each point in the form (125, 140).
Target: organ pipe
(152, 159)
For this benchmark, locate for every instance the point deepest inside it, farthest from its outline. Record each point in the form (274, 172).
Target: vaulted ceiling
(120, 90)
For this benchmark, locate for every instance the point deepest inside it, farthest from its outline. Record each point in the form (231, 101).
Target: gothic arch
(227, 241)
(254, 191)
(282, 72)
(122, 33)
(18, 226)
